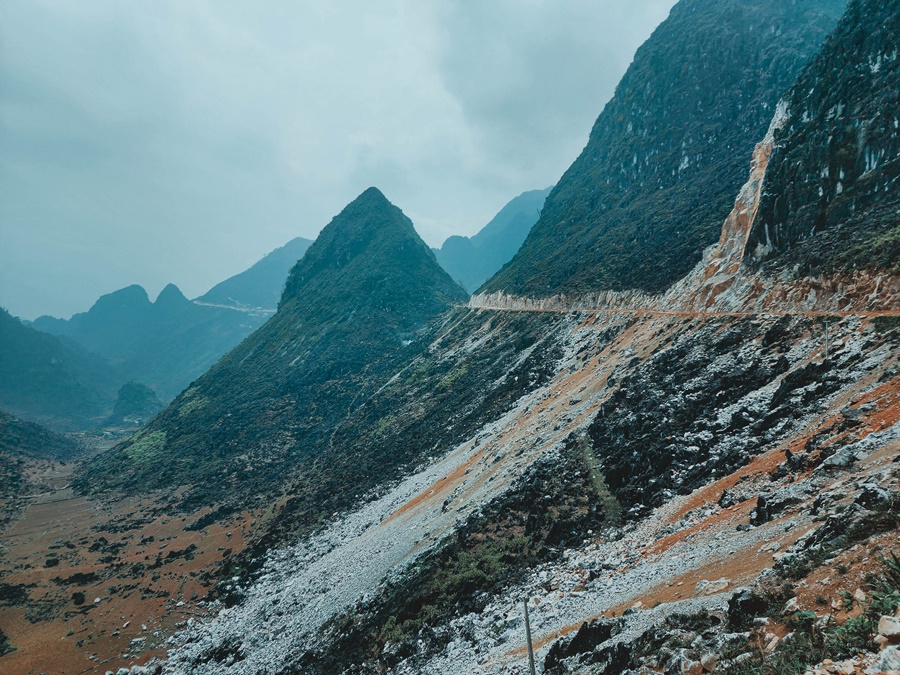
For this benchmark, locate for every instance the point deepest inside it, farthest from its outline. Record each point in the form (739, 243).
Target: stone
(889, 627)
(888, 659)
(791, 606)
(859, 595)
(709, 662)
(706, 587)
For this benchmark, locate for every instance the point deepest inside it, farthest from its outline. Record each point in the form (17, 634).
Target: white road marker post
(528, 637)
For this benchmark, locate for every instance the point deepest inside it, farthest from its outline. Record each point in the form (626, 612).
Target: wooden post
(528, 637)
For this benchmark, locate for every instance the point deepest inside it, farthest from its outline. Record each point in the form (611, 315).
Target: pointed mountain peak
(370, 210)
(370, 238)
(170, 296)
(371, 195)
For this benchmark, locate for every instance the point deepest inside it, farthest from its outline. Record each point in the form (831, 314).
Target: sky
(181, 140)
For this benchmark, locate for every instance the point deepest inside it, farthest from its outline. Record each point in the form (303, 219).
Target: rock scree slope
(726, 453)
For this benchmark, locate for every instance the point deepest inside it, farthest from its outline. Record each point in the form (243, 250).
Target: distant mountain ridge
(669, 152)
(163, 344)
(473, 260)
(52, 381)
(350, 315)
(260, 286)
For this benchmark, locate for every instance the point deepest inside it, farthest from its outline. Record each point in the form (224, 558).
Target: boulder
(710, 587)
(889, 627)
(888, 659)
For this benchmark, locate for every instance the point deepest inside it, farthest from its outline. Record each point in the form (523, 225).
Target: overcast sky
(181, 140)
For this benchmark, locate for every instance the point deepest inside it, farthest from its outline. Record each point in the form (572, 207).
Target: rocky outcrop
(669, 152)
(833, 183)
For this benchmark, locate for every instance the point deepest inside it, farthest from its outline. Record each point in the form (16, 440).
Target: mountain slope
(50, 381)
(831, 198)
(19, 438)
(20, 443)
(669, 151)
(261, 285)
(350, 315)
(473, 260)
(164, 344)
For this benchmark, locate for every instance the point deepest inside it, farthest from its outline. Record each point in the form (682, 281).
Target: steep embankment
(351, 316)
(474, 260)
(670, 150)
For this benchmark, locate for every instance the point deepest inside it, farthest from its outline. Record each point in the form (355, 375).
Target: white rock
(711, 587)
(889, 626)
(889, 659)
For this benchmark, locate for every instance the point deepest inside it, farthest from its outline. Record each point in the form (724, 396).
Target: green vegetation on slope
(670, 151)
(48, 380)
(350, 317)
(135, 404)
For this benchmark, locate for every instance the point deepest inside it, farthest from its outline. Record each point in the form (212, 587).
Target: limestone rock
(889, 627)
(711, 587)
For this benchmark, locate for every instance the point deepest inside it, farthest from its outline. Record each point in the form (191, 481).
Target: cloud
(180, 141)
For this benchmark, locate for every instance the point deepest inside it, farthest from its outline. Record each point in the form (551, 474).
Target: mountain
(26, 439)
(135, 404)
(49, 380)
(473, 260)
(831, 198)
(260, 286)
(21, 441)
(703, 480)
(668, 153)
(164, 344)
(351, 314)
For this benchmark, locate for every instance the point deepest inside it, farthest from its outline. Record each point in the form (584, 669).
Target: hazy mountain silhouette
(473, 260)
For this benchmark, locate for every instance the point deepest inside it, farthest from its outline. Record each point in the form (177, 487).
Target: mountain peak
(169, 296)
(130, 297)
(371, 194)
(370, 238)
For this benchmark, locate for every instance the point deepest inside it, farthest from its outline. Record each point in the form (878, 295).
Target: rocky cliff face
(832, 188)
(669, 152)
